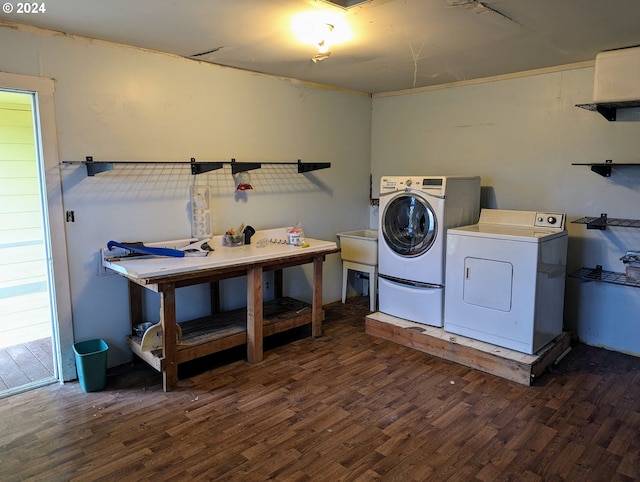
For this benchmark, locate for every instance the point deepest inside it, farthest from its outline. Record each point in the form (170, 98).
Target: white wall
(120, 103)
(521, 136)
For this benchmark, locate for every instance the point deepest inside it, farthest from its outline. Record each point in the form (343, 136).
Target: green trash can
(91, 364)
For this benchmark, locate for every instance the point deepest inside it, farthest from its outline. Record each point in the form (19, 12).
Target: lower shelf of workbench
(219, 332)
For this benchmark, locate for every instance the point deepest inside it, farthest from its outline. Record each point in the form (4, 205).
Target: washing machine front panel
(409, 224)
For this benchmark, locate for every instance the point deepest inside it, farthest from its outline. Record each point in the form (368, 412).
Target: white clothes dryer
(505, 279)
(415, 213)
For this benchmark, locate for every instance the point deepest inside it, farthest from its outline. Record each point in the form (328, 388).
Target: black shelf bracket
(237, 167)
(94, 168)
(311, 166)
(609, 113)
(609, 110)
(599, 223)
(605, 168)
(602, 169)
(605, 111)
(588, 274)
(202, 167)
(604, 221)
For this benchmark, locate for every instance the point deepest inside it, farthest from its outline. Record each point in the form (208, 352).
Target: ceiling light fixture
(324, 46)
(341, 4)
(323, 38)
(322, 30)
(320, 57)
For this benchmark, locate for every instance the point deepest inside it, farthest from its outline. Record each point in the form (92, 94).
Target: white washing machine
(505, 279)
(415, 213)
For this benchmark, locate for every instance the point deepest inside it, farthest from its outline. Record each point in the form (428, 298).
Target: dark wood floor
(25, 363)
(345, 406)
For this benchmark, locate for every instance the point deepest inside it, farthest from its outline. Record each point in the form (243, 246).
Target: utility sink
(359, 246)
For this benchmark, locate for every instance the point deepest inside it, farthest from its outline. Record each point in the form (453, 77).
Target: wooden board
(152, 338)
(502, 362)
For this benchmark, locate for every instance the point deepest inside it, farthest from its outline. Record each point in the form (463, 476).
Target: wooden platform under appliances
(502, 362)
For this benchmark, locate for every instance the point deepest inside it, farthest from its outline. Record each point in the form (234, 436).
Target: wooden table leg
(214, 291)
(254, 315)
(169, 341)
(316, 303)
(136, 307)
(277, 283)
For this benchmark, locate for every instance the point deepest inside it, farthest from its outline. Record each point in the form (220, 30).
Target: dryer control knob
(551, 220)
(409, 182)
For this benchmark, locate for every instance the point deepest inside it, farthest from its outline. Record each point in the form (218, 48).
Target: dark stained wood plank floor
(345, 406)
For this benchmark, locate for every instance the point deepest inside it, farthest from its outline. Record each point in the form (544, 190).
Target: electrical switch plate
(200, 212)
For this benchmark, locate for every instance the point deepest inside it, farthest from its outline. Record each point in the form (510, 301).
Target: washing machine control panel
(400, 183)
(550, 220)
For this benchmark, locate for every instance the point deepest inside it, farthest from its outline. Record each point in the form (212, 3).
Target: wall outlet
(268, 292)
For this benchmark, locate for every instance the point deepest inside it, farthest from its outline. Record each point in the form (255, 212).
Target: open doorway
(39, 91)
(26, 335)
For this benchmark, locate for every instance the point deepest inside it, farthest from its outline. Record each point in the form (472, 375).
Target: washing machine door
(409, 224)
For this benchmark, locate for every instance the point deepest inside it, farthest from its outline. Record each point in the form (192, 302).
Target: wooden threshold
(502, 362)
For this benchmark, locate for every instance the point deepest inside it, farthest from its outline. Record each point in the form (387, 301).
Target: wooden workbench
(222, 331)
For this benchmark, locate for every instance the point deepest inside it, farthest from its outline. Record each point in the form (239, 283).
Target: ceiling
(395, 44)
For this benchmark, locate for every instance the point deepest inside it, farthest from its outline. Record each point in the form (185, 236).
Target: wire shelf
(598, 274)
(602, 222)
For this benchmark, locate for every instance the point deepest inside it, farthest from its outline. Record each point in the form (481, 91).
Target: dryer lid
(530, 235)
(528, 226)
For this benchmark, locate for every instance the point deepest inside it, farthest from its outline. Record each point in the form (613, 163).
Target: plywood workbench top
(222, 256)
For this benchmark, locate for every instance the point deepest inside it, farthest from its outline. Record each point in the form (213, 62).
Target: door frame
(51, 184)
